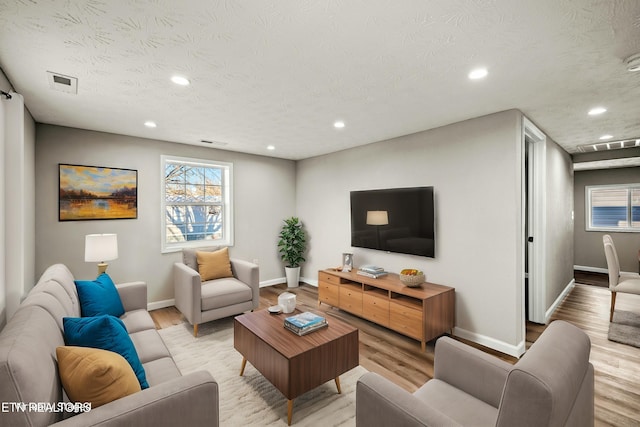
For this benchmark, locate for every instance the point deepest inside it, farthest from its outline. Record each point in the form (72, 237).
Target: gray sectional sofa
(29, 374)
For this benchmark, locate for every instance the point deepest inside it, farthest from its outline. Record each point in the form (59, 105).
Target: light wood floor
(617, 366)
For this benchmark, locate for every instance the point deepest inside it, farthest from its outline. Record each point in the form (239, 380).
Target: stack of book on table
(303, 323)
(371, 271)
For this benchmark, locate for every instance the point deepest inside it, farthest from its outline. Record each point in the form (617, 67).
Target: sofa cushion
(99, 296)
(105, 332)
(137, 320)
(223, 293)
(28, 369)
(460, 406)
(94, 375)
(49, 303)
(57, 291)
(149, 345)
(161, 370)
(214, 265)
(60, 273)
(189, 256)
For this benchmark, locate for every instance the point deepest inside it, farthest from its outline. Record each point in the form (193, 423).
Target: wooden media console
(423, 313)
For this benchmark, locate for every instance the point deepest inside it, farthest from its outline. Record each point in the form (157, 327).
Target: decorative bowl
(412, 280)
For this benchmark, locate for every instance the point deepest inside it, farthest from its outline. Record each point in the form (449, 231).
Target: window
(196, 203)
(613, 207)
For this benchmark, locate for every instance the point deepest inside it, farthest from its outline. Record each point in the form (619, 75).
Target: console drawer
(330, 278)
(351, 300)
(329, 293)
(376, 309)
(406, 320)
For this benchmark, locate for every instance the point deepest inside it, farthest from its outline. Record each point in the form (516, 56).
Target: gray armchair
(202, 302)
(551, 385)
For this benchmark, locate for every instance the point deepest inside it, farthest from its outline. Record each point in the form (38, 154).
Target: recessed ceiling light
(150, 124)
(604, 137)
(597, 110)
(179, 80)
(338, 125)
(271, 147)
(478, 73)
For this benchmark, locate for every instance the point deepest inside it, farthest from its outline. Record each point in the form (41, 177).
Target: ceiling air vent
(612, 145)
(62, 83)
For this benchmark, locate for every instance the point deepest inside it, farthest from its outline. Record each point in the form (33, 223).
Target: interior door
(534, 212)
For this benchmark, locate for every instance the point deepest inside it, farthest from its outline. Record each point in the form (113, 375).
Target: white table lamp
(101, 248)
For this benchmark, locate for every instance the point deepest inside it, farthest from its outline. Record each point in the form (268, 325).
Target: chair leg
(613, 306)
(195, 330)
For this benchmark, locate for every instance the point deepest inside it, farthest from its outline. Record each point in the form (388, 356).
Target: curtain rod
(5, 94)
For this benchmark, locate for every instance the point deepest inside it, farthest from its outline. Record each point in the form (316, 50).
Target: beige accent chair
(202, 302)
(552, 385)
(628, 283)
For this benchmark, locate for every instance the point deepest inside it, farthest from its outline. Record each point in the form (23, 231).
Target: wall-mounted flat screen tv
(394, 220)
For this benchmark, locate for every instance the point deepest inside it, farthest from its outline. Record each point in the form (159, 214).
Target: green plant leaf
(292, 242)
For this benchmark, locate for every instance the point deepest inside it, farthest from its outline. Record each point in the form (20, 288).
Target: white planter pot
(293, 276)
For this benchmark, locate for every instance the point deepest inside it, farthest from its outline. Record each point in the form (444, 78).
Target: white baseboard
(511, 350)
(308, 281)
(273, 282)
(279, 280)
(503, 347)
(558, 300)
(597, 269)
(161, 304)
(591, 269)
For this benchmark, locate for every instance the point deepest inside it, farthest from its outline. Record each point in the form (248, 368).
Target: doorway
(534, 183)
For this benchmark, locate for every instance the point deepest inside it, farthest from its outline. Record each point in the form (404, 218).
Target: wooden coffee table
(295, 364)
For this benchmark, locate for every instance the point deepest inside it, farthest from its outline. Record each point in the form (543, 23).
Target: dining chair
(618, 281)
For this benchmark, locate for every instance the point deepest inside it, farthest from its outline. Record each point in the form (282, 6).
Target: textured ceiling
(281, 72)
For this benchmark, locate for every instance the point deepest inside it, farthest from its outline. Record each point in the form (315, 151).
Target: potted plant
(291, 244)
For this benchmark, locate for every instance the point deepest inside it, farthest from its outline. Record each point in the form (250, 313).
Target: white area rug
(251, 399)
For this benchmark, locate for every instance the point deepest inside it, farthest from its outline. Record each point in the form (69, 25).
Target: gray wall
(4, 85)
(559, 223)
(264, 194)
(475, 167)
(18, 205)
(589, 251)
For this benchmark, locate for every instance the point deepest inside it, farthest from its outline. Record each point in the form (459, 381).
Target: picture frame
(96, 193)
(347, 261)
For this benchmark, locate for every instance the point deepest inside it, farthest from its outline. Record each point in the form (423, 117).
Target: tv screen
(394, 220)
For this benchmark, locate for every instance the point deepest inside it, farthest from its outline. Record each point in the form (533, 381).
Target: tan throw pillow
(214, 265)
(95, 375)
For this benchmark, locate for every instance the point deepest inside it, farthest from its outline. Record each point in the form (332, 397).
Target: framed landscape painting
(95, 192)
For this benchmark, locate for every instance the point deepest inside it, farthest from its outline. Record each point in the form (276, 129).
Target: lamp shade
(377, 218)
(100, 247)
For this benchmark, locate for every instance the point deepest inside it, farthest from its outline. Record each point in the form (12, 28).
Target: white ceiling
(281, 72)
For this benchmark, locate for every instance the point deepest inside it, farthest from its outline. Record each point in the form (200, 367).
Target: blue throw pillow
(98, 297)
(107, 333)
